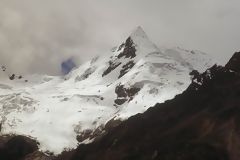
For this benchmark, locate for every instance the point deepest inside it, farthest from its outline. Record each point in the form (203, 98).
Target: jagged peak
(140, 39)
(138, 32)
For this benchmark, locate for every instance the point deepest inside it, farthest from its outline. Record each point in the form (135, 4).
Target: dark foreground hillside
(203, 123)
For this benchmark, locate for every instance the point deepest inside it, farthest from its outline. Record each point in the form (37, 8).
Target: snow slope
(133, 77)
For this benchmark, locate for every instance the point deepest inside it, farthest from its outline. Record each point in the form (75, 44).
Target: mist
(36, 36)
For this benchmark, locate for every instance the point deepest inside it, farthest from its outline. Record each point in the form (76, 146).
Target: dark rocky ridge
(200, 124)
(126, 68)
(125, 94)
(111, 67)
(16, 147)
(129, 51)
(234, 63)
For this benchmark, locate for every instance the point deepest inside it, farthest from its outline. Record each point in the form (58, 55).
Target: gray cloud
(36, 35)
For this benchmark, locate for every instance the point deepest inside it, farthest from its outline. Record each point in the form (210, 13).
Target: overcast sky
(37, 35)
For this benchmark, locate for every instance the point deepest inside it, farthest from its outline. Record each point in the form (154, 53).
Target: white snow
(54, 110)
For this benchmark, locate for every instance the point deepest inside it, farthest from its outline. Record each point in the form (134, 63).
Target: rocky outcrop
(129, 49)
(111, 67)
(16, 147)
(126, 68)
(12, 77)
(125, 94)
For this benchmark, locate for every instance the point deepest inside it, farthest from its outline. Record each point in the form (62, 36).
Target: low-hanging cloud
(37, 35)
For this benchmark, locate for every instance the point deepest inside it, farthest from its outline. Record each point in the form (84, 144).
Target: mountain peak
(139, 32)
(140, 39)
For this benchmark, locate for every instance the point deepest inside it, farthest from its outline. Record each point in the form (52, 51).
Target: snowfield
(117, 85)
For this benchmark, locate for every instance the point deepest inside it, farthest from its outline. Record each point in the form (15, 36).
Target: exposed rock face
(129, 50)
(125, 94)
(200, 124)
(38, 156)
(126, 68)
(16, 147)
(234, 62)
(12, 77)
(112, 66)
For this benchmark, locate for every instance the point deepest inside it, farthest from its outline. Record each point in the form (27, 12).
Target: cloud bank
(36, 36)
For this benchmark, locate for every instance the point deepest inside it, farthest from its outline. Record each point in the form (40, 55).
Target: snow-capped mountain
(202, 123)
(61, 112)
